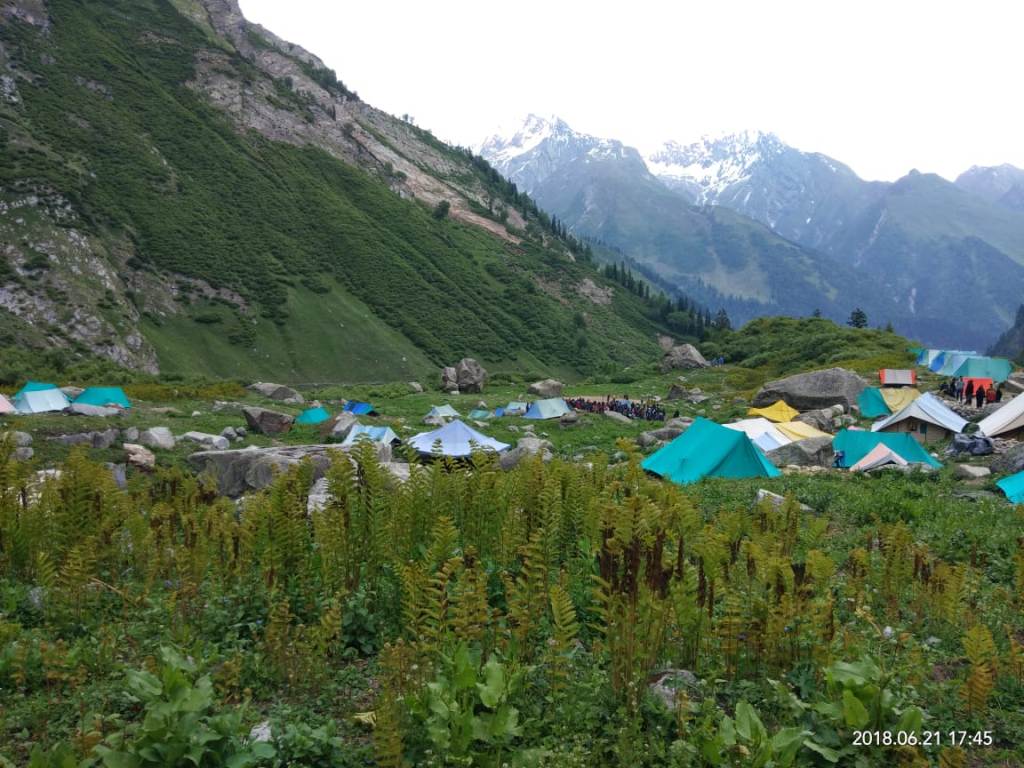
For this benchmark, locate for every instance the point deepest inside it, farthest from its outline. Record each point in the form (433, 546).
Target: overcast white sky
(882, 85)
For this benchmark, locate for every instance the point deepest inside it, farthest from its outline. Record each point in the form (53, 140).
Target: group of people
(969, 391)
(645, 410)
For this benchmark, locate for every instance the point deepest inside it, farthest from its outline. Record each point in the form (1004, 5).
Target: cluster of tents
(549, 408)
(43, 397)
(966, 365)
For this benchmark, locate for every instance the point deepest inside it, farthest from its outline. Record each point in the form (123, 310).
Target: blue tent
(373, 434)
(708, 449)
(1013, 487)
(358, 408)
(552, 408)
(104, 397)
(313, 416)
(856, 444)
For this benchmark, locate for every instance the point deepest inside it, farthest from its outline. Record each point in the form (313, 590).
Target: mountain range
(182, 191)
(758, 226)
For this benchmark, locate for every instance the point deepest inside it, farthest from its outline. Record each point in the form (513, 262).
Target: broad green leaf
(855, 714)
(492, 690)
(826, 752)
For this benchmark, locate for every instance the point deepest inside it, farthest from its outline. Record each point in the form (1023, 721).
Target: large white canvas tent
(456, 440)
(765, 435)
(41, 401)
(1009, 418)
(916, 418)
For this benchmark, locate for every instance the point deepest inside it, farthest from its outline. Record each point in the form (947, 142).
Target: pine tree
(858, 319)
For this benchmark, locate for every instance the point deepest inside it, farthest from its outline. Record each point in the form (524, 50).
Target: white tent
(383, 435)
(5, 405)
(765, 435)
(456, 439)
(926, 408)
(442, 412)
(41, 401)
(879, 456)
(1009, 418)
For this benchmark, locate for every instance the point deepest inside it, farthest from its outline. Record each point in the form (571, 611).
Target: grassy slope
(263, 218)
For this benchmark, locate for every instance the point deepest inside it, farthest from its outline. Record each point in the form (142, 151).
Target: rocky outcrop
(971, 472)
(664, 434)
(415, 387)
(682, 357)
(251, 469)
(139, 456)
(157, 437)
(99, 440)
(276, 392)
(812, 452)
(817, 389)
(1010, 462)
(546, 388)
(525, 446)
(829, 419)
(267, 422)
(449, 379)
(84, 409)
(217, 442)
(470, 375)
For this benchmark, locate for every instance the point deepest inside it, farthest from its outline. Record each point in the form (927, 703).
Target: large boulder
(811, 452)
(546, 388)
(817, 389)
(1010, 462)
(971, 472)
(267, 422)
(217, 442)
(470, 375)
(22, 439)
(139, 456)
(1015, 384)
(621, 418)
(449, 379)
(337, 428)
(276, 392)
(826, 419)
(683, 356)
(157, 437)
(415, 387)
(525, 446)
(251, 469)
(100, 440)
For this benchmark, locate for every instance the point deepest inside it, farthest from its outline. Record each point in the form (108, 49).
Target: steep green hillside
(236, 252)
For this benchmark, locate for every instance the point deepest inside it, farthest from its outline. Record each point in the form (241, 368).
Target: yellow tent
(797, 430)
(777, 411)
(899, 398)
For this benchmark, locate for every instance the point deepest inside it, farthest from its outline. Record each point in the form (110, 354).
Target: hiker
(999, 393)
(990, 394)
(968, 392)
(958, 389)
(979, 396)
(840, 460)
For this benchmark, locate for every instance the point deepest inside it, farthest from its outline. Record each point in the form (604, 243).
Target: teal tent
(552, 408)
(1013, 487)
(995, 368)
(480, 414)
(383, 435)
(871, 403)
(104, 397)
(34, 386)
(708, 449)
(856, 444)
(313, 416)
(516, 408)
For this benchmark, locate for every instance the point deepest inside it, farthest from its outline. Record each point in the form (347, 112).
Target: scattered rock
(1010, 462)
(776, 499)
(241, 432)
(1015, 384)
(817, 389)
(676, 392)
(99, 440)
(22, 439)
(811, 452)
(683, 356)
(415, 386)
(23, 454)
(84, 409)
(196, 414)
(140, 456)
(449, 379)
(130, 435)
(276, 392)
(664, 686)
(337, 428)
(665, 342)
(157, 437)
(681, 422)
(970, 471)
(525, 446)
(825, 419)
(546, 388)
(568, 419)
(119, 472)
(619, 417)
(267, 422)
(470, 375)
(71, 392)
(229, 433)
(215, 442)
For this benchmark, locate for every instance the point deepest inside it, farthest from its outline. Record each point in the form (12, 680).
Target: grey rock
(618, 417)
(449, 379)
(241, 431)
(546, 388)
(22, 439)
(647, 440)
(812, 452)
(416, 387)
(825, 419)
(470, 375)
(120, 474)
(84, 409)
(676, 392)
(276, 392)
(23, 454)
(1010, 462)
(130, 435)
(229, 433)
(683, 356)
(971, 472)
(206, 440)
(157, 437)
(267, 422)
(817, 389)
(139, 456)
(71, 392)
(569, 419)
(680, 422)
(665, 685)
(776, 499)
(525, 446)
(196, 414)
(337, 428)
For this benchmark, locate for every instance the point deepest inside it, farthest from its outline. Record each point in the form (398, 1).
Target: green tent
(104, 397)
(995, 368)
(856, 444)
(1013, 487)
(313, 416)
(871, 403)
(708, 449)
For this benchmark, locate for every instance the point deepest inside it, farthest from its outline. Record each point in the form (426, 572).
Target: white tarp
(764, 434)
(41, 401)
(456, 440)
(1007, 419)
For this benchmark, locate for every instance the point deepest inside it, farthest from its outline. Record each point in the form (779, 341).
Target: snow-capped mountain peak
(507, 144)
